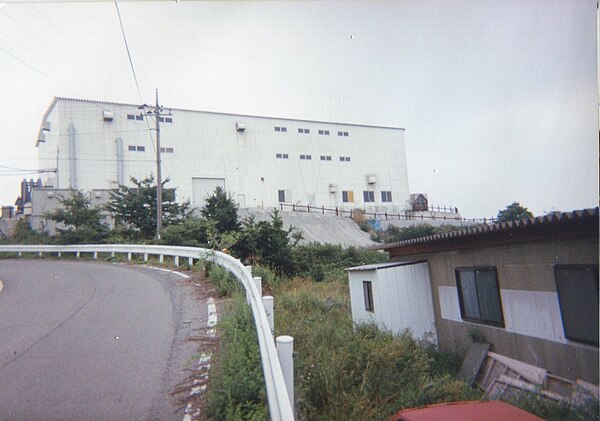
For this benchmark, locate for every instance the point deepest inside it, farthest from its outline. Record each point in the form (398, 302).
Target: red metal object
(466, 411)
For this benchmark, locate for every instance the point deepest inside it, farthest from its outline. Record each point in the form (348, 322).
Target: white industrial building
(260, 161)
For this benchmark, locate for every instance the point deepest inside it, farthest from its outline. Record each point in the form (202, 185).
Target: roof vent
(107, 116)
(240, 127)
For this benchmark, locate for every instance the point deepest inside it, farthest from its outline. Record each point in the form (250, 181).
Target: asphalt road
(92, 341)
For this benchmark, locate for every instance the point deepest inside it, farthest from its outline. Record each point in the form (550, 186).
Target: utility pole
(156, 111)
(158, 172)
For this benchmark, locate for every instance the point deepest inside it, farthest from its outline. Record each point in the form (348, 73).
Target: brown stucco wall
(528, 267)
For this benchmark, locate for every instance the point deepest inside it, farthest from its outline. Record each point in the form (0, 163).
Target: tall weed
(237, 386)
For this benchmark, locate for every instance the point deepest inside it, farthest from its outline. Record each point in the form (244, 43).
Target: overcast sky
(498, 98)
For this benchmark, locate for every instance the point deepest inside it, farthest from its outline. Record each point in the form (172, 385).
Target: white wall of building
(401, 299)
(204, 146)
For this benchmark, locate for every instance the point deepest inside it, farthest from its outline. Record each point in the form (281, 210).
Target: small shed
(396, 296)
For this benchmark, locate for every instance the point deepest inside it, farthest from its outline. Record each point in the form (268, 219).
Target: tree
(84, 223)
(221, 208)
(135, 207)
(268, 243)
(514, 212)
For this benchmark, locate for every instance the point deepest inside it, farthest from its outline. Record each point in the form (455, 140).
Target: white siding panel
(449, 306)
(405, 295)
(533, 313)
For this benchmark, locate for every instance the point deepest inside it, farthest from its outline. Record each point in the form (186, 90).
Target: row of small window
(309, 157)
(307, 131)
(141, 117)
(368, 196)
(135, 148)
(576, 287)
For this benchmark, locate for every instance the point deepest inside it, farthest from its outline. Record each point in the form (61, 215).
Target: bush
(225, 283)
(191, 232)
(270, 279)
(237, 386)
(326, 261)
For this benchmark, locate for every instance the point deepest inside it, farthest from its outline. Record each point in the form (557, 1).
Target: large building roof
(108, 103)
(557, 225)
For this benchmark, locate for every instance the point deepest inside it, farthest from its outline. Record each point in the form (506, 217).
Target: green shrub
(237, 386)
(225, 283)
(270, 279)
(322, 262)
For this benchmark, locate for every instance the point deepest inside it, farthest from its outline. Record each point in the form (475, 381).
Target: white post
(285, 352)
(247, 293)
(40, 254)
(77, 254)
(176, 261)
(268, 305)
(161, 259)
(145, 257)
(258, 283)
(191, 262)
(95, 255)
(59, 254)
(129, 256)
(112, 254)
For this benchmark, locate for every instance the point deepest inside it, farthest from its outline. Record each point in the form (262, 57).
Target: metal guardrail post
(285, 352)
(268, 303)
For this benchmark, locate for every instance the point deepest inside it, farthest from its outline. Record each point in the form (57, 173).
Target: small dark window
(169, 150)
(141, 148)
(386, 196)
(324, 132)
(131, 148)
(304, 131)
(278, 155)
(130, 117)
(344, 134)
(285, 156)
(139, 117)
(479, 296)
(368, 196)
(368, 295)
(161, 119)
(577, 289)
(169, 119)
(281, 195)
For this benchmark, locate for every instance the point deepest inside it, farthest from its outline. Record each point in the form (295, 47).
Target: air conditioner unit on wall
(107, 116)
(332, 188)
(371, 179)
(240, 127)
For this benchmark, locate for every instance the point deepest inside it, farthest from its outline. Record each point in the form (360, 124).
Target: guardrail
(280, 407)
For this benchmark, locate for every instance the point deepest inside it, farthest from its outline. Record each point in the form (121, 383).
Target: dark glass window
(368, 196)
(368, 295)
(281, 195)
(386, 196)
(577, 289)
(479, 295)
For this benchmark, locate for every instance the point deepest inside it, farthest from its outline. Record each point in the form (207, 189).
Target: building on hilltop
(260, 161)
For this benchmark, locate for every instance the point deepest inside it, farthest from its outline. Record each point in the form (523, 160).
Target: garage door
(202, 187)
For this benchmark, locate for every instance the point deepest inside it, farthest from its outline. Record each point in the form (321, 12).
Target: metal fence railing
(447, 213)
